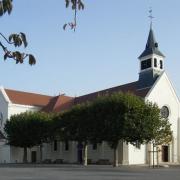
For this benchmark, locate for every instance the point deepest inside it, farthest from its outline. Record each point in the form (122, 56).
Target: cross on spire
(150, 16)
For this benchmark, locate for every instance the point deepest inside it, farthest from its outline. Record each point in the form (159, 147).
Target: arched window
(161, 64)
(155, 62)
(145, 64)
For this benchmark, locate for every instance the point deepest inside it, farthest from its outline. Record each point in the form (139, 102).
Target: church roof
(151, 46)
(26, 98)
(62, 102)
(125, 88)
(59, 103)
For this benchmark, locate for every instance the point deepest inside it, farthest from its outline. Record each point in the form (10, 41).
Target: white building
(153, 85)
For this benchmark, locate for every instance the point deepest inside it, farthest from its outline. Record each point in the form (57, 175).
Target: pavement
(91, 172)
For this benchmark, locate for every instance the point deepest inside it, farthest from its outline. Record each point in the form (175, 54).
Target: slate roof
(151, 46)
(130, 87)
(26, 98)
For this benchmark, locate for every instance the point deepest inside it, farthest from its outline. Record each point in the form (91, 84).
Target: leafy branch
(14, 39)
(75, 5)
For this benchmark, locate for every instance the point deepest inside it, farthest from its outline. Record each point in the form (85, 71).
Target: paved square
(75, 172)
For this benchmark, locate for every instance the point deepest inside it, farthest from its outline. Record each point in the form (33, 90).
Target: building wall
(102, 153)
(137, 155)
(3, 109)
(68, 156)
(4, 149)
(4, 152)
(163, 94)
(9, 154)
(16, 154)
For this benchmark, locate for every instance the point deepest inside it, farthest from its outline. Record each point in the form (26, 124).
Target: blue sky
(101, 53)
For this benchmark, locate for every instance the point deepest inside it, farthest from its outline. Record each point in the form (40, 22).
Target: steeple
(151, 62)
(151, 45)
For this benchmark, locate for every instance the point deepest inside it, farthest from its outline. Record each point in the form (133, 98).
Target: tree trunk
(115, 163)
(153, 155)
(41, 153)
(85, 154)
(25, 155)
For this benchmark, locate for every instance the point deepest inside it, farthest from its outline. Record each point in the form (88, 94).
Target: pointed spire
(151, 45)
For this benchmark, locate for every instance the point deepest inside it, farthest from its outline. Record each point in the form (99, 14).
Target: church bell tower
(151, 62)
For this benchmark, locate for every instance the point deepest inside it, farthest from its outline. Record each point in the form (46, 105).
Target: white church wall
(17, 109)
(95, 154)
(17, 153)
(4, 149)
(4, 153)
(68, 156)
(103, 152)
(163, 94)
(137, 155)
(3, 109)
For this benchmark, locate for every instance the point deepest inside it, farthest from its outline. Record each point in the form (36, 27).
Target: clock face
(164, 112)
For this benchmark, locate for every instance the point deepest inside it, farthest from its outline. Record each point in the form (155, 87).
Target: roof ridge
(107, 89)
(27, 92)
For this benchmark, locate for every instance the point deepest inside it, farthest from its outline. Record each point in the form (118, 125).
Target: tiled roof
(59, 103)
(130, 87)
(26, 98)
(62, 102)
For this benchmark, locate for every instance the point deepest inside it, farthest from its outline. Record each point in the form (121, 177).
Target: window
(155, 62)
(138, 145)
(161, 64)
(94, 146)
(66, 146)
(164, 112)
(55, 145)
(145, 64)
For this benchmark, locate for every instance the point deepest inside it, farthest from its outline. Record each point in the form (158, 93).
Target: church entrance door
(33, 156)
(80, 153)
(165, 153)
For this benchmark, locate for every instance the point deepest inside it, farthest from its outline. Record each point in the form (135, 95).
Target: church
(153, 85)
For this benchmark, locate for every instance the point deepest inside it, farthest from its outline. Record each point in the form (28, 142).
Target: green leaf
(5, 56)
(64, 27)
(1, 8)
(23, 37)
(18, 57)
(67, 3)
(32, 60)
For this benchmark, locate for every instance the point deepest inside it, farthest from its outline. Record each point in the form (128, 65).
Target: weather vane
(150, 15)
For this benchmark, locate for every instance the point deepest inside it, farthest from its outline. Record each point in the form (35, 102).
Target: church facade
(153, 85)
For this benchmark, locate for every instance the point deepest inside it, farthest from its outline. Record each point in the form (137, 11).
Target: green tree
(27, 130)
(74, 125)
(113, 118)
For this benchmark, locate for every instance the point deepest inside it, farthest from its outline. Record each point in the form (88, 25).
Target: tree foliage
(27, 130)
(75, 5)
(14, 39)
(113, 118)
(18, 40)
(110, 118)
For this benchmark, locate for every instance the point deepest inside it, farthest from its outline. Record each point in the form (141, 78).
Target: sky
(103, 51)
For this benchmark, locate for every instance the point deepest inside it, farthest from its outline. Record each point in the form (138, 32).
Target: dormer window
(145, 64)
(155, 62)
(161, 64)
